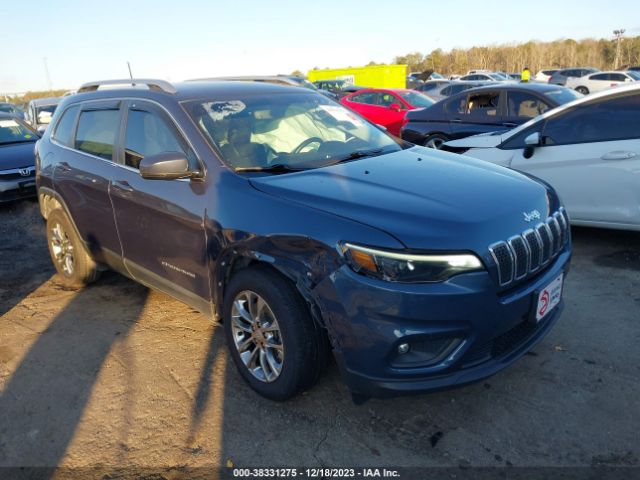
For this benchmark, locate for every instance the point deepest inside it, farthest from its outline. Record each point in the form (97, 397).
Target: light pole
(618, 34)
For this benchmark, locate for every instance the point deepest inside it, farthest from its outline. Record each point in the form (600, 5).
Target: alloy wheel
(257, 336)
(62, 249)
(435, 143)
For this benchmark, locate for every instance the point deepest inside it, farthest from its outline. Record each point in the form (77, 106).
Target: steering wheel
(306, 143)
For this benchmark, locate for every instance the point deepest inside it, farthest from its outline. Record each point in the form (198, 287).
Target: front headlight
(408, 268)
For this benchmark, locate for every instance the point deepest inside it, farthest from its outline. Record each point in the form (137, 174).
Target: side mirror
(41, 129)
(396, 107)
(531, 142)
(165, 166)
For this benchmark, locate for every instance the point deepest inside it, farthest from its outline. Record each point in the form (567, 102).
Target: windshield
(294, 131)
(12, 131)
(416, 99)
(498, 76)
(563, 95)
(7, 108)
(634, 75)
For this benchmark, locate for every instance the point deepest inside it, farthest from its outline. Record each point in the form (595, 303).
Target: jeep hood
(425, 198)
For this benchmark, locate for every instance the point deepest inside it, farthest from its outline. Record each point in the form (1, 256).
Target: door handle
(123, 185)
(509, 124)
(619, 155)
(456, 120)
(64, 166)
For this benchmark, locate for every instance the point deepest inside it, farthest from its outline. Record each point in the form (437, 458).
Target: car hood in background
(17, 155)
(424, 198)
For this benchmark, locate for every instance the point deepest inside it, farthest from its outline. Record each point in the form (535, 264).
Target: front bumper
(483, 329)
(14, 185)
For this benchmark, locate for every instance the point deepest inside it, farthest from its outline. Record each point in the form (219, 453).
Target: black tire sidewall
(297, 331)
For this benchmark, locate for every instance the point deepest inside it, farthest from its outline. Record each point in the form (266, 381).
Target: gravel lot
(117, 376)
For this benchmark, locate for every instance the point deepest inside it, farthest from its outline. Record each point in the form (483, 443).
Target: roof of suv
(192, 90)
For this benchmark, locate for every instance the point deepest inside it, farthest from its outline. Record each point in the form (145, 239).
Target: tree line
(600, 53)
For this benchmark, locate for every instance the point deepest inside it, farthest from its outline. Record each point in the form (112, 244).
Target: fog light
(403, 348)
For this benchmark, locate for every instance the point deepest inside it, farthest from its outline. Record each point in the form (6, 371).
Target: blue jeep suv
(306, 231)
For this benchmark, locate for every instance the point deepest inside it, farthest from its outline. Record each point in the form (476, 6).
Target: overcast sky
(85, 40)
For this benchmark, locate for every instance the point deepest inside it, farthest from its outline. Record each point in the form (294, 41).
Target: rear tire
(277, 347)
(73, 263)
(435, 141)
(582, 90)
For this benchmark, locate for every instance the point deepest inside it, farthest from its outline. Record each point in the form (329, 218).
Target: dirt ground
(116, 376)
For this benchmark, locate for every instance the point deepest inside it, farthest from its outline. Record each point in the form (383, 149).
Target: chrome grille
(524, 254)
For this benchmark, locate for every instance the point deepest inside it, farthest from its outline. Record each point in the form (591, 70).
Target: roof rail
(158, 85)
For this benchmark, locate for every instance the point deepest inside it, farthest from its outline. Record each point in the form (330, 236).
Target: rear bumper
(483, 330)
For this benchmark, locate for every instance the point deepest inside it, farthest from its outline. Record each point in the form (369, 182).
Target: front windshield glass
(563, 95)
(289, 131)
(416, 99)
(7, 108)
(634, 75)
(498, 76)
(12, 131)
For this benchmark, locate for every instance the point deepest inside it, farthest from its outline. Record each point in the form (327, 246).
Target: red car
(386, 106)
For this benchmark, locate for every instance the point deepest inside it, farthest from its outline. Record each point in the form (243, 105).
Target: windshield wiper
(356, 154)
(275, 168)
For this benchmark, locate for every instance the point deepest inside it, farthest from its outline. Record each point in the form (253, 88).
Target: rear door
(160, 222)
(82, 172)
(591, 156)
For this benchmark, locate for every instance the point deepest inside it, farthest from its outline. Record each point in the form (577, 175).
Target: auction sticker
(549, 297)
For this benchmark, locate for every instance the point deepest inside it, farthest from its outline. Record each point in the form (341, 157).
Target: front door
(160, 222)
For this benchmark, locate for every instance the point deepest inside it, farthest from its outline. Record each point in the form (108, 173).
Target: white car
(588, 150)
(545, 75)
(601, 81)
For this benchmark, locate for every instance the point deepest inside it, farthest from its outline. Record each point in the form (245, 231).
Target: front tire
(73, 263)
(274, 342)
(436, 141)
(582, 90)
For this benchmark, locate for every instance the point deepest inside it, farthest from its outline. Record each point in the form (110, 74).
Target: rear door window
(370, 98)
(97, 132)
(483, 106)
